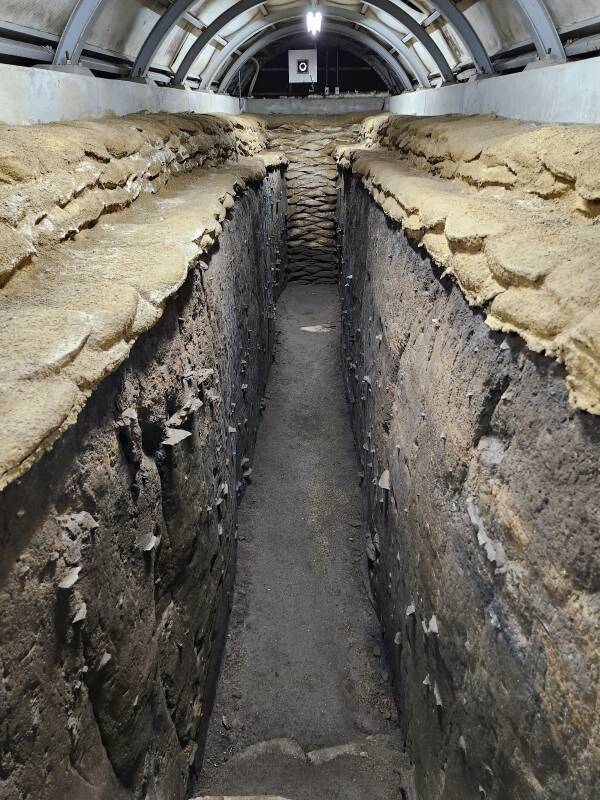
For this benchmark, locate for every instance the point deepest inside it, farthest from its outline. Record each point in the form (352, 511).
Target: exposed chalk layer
(508, 209)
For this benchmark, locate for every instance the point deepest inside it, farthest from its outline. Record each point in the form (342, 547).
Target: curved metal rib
(74, 36)
(335, 27)
(157, 36)
(534, 12)
(245, 5)
(467, 33)
(407, 56)
(179, 7)
(543, 30)
(342, 42)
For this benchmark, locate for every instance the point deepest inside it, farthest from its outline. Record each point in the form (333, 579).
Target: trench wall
(480, 487)
(118, 544)
(308, 144)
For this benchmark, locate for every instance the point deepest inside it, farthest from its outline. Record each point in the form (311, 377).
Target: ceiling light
(313, 22)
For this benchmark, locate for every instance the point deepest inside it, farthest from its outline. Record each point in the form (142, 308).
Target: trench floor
(303, 658)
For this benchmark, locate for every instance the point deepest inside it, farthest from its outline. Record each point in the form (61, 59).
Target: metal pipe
(254, 77)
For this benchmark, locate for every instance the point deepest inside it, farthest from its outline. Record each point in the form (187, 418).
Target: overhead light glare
(313, 22)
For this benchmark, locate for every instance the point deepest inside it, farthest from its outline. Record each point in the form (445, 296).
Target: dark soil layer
(481, 494)
(118, 549)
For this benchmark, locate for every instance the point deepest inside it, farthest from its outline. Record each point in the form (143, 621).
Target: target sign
(302, 66)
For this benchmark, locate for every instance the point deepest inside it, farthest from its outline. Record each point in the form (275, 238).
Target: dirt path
(304, 658)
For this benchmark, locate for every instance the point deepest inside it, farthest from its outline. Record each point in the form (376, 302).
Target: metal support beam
(407, 56)
(431, 19)
(245, 5)
(465, 30)
(74, 36)
(334, 27)
(158, 34)
(25, 50)
(543, 30)
(352, 47)
(179, 7)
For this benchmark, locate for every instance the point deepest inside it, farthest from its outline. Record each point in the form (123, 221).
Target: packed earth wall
(480, 489)
(118, 545)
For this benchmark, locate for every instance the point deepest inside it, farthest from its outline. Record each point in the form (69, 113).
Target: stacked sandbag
(311, 176)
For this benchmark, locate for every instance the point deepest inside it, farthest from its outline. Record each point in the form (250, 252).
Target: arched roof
(269, 52)
(408, 59)
(431, 40)
(298, 27)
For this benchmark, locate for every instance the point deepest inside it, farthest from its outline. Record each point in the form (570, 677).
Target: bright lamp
(313, 22)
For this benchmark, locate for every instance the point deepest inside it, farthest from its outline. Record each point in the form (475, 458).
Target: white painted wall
(29, 96)
(565, 93)
(315, 105)
(561, 93)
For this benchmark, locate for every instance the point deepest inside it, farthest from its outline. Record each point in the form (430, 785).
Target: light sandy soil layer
(81, 283)
(511, 211)
(482, 504)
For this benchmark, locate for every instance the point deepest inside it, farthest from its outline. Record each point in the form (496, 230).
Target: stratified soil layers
(481, 481)
(118, 542)
(74, 300)
(140, 263)
(511, 211)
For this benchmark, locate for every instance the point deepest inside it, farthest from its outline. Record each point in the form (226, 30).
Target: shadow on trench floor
(304, 663)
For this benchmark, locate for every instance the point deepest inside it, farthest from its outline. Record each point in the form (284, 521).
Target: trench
(353, 666)
(321, 532)
(304, 661)
(304, 706)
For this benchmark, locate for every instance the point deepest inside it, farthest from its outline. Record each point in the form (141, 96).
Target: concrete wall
(29, 96)
(560, 93)
(316, 105)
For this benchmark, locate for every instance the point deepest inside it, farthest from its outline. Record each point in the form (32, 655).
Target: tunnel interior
(336, 68)
(300, 383)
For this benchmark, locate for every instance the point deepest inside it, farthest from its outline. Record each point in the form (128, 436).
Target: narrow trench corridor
(300, 467)
(304, 661)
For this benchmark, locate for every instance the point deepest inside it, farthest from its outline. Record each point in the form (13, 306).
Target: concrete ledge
(315, 105)
(31, 95)
(560, 93)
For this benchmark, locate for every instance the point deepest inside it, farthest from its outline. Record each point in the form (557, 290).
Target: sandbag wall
(311, 175)
(480, 487)
(118, 543)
